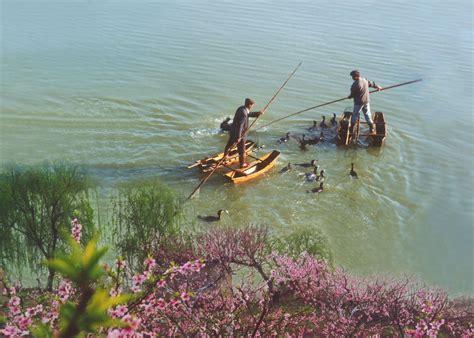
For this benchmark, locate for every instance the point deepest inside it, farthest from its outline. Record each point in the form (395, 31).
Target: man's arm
(374, 85)
(255, 113)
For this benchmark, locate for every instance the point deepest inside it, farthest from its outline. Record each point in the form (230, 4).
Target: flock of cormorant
(315, 175)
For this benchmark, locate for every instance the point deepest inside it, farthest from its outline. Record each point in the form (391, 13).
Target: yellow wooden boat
(207, 163)
(254, 170)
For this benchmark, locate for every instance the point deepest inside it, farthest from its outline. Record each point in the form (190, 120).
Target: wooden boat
(254, 170)
(378, 139)
(343, 129)
(207, 163)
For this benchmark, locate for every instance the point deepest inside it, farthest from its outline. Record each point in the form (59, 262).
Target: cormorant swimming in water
(213, 218)
(225, 125)
(353, 172)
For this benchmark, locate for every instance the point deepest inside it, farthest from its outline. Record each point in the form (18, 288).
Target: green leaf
(42, 331)
(63, 267)
(68, 311)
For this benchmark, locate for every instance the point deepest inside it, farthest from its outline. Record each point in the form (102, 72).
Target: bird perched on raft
(287, 168)
(225, 125)
(353, 172)
(323, 124)
(284, 139)
(308, 165)
(333, 120)
(317, 190)
(213, 218)
(314, 127)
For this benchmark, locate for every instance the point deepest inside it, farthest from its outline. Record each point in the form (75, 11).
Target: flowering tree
(243, 289)
(232, 285)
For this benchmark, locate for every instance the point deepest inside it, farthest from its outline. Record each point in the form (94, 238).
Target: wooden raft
(345, 137)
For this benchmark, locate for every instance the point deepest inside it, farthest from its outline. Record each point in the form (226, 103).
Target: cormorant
(310, 177)
(286, 168)
(213, 218)
(323, 123)
(320, 177)
(225, 125)
(285, 138)
(307, 165)
(352, 172)
(314, 127)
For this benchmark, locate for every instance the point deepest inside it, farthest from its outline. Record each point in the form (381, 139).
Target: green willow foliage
(145, 215)
(37, 204)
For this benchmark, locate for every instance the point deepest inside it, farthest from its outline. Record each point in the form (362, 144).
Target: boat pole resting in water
(331, 102)
(245, 133)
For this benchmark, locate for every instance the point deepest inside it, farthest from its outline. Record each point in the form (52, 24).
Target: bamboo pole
(334, 101)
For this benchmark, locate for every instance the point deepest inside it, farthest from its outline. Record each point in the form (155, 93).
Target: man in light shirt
(360, 94)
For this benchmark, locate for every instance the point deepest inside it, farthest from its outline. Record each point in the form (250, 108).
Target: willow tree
(37, 204)
(147, 214)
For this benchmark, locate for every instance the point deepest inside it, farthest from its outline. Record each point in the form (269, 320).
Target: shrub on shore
(146, 215)
(311, 241)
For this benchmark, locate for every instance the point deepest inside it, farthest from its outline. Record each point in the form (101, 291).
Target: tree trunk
(49, 286)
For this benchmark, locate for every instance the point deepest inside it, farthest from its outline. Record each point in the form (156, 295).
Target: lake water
(137, 90)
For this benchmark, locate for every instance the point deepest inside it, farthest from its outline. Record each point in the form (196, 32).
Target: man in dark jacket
(360, 94)
(239, 127)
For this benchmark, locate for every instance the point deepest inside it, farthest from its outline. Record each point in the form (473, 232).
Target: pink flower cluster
(131, 330)
(119, 311)
(120, 264)
(186, 268)
(14, 305)
(13, 331)
(149, 264)
(64, 290)
(137, 282)
(76, 230)
(19, 320)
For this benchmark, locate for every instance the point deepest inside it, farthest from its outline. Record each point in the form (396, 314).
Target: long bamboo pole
(245, 132)
(331, 102)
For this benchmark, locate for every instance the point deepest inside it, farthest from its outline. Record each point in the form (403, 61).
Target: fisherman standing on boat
(360, 94)
(239, 128)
